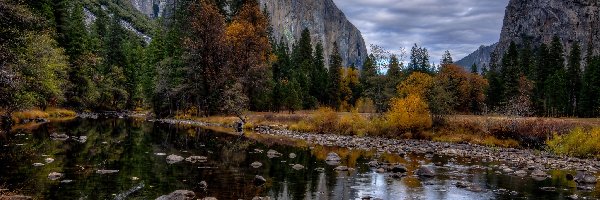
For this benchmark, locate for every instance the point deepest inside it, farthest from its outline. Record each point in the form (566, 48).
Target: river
(127, 159)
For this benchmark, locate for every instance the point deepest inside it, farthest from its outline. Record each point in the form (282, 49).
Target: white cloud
(460, 26)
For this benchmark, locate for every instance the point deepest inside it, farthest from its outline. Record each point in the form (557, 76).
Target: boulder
(332, 156)
(539, 175)
(178, 195)
(298, 167)
(203, 184)
(398, 168)
(585, 178)
(49, 160)
(195, 159)
(292, 155)
(60, 137)
(425, 172)
(105, 171)
(15, 197)
(259, 180)
(172, 159)
(273, 154)
(341, 168)
(521, 173)
(55, 176)
(256, 164)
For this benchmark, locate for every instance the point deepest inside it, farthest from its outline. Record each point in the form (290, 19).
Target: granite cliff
(481, 57)
(327, 24)
(540, 20)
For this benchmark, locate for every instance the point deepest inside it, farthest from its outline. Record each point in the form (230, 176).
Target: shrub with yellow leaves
(409, 114)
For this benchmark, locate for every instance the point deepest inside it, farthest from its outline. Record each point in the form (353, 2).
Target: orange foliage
(410, 114)
(417, 84)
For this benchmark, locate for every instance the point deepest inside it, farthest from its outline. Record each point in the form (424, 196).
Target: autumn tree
(248, 37)
(206, 71)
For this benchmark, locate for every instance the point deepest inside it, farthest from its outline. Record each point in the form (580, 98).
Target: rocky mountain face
(154, 8)
(327, 24)
(481, 57)
(540, 20)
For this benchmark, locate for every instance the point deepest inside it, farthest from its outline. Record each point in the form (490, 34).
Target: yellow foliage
(365, 105)
(417, 84)
(578, 142)
(325, 120)
(410, 114)
(353, 124)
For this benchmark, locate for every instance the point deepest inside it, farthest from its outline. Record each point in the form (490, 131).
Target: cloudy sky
(460, 26)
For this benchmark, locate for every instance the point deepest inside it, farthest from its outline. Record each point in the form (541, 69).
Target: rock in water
(292, 155)
(203, 185)
(398, 169)
(341, 168)
(539, 175)
(195, 159)
(49, 160)
(521, 173)
(104, 171)
(425, 172)
(333, 159)
(585, 178)
(55, 176)
(60, 137)
(38, 164)
(332, 156)
(172, 159)
(15, 197)
(259, 180)
(178, 195)
(298, 167)
(273, 154)
(256, 164)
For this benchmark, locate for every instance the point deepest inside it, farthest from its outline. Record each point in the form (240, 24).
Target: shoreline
(498, 158)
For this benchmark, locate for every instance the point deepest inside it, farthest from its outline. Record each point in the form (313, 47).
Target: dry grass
(498, 131)
(50, 113)
(20, 117)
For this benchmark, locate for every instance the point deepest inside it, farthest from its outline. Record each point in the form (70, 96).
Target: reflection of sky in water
(130, 147)
(377, 185)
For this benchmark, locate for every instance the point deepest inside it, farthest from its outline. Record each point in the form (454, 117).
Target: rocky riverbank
(518, 162)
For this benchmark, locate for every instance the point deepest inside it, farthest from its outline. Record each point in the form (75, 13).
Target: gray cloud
(460, 26)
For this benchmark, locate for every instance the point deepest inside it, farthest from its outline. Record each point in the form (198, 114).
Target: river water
(138, 150)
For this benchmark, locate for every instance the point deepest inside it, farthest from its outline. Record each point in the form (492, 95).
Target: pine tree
(510, 72)
(557, 94)
(335, 77)
(590, 95)
(302, 58)
(574, 79)
(542, 71)
(474, 69)
(526, 61)
(495, 93)
(319, 76)
(446, 58)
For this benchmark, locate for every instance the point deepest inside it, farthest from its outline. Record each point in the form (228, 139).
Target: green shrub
(579, 143)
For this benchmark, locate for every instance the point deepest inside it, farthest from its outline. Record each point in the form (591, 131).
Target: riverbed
(139, 159)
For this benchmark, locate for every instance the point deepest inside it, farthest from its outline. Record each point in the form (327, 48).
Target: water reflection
(138, 150)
